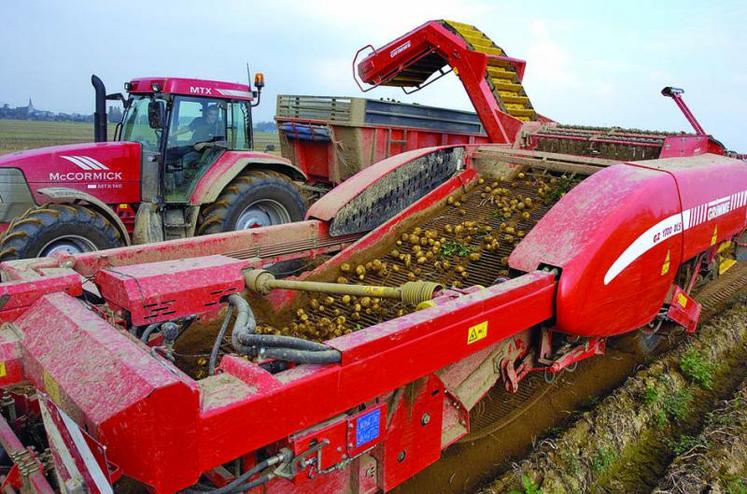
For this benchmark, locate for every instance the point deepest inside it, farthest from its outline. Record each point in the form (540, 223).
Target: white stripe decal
(74, 160)
(89, 162)
(235, 92)
(673, 225)
(96, 164)
(85, 452)
(645, 242)
(100, 164)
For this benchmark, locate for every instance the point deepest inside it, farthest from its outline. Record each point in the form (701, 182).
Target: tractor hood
(108, 170)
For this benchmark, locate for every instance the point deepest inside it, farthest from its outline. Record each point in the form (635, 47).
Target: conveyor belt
(462, 227)
(501, 75)
(604, 142)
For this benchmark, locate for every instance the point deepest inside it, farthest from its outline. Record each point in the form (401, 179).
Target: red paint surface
(45, 167)
(191, 87)
(433, 37)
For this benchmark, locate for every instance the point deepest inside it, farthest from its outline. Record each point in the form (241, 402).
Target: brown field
(17, 135)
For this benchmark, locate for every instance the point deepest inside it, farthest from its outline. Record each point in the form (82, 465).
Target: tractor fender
(67, 195)
(212, 183)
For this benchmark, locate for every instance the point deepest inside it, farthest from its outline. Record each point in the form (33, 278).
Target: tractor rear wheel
(253, 199)
(54, 228)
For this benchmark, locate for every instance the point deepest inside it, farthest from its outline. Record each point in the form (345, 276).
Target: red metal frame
(433, 37)
(212, 415)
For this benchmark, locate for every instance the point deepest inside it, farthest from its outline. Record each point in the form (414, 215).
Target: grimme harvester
(432, 278)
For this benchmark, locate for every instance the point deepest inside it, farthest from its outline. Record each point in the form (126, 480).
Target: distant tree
(265, 127)
(115, 114)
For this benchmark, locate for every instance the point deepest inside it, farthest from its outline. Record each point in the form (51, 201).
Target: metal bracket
(301, 461)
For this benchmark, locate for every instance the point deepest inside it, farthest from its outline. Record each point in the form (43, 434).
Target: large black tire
(42, 228)
(255, 187)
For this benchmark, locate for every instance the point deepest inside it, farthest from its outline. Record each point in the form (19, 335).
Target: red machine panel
(617, 237)
(713, 190)
(162, 291)
(136, 405)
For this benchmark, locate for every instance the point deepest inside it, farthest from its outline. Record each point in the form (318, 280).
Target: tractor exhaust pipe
(99, 115)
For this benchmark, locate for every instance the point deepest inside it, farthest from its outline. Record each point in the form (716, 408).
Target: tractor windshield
(199, 131)
(135, 127)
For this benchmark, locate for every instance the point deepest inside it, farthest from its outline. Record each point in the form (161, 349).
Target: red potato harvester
(94, 379)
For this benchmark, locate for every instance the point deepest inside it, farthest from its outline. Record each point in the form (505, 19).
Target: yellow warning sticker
(682, 300)
(477, 332)
(3, 370)
(51, 387)
(665, 266)
(714, 238)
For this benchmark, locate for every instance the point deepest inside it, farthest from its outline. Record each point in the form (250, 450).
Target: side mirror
(156, 114)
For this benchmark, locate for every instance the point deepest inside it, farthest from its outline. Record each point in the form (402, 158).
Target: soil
(626, 442)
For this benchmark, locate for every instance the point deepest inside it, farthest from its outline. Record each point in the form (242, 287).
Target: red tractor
(181, 164)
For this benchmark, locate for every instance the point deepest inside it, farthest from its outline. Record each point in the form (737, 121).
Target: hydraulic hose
(149, 331)
(271, 340)
(245, 324)
(327, 356)
(239, 484)
(245, 340)
(218, 341)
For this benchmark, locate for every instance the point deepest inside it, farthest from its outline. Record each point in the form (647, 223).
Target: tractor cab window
(240, 125)
(197, 136)
(135, 127)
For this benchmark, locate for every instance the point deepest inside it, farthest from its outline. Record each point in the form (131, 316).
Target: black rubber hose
(247, 342)
(302, 356)
(245, 324)
(271, 340)
(239, 484)
(148, 331)
(218, 341)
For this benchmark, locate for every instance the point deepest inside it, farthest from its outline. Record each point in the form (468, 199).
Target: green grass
(528, 487)
(697, 368)
(677, 404)
(604, 458)
(17, 135)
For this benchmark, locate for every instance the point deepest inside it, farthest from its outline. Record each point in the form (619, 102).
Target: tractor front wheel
(50, 229)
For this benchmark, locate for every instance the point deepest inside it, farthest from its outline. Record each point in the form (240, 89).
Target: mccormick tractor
(181, 164)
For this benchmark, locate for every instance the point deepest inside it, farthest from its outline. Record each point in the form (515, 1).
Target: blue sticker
(367, 427)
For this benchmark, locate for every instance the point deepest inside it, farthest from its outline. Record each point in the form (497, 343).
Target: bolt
(401, 456)
(425, 419)
(339, 449)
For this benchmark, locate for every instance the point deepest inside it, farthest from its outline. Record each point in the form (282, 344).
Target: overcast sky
(593, 63)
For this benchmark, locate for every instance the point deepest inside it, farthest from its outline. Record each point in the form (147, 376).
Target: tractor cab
(184, 125)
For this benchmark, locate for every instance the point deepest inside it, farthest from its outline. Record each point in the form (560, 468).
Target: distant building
(28, 112)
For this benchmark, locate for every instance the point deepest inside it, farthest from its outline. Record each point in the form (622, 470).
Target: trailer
(430, 278)
(333, 138)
